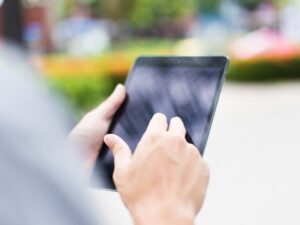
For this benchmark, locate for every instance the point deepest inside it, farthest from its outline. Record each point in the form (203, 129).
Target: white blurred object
(215, 36)
(92, 42)
(290, 22)
(81, 36)
(1, 2)
(236, 16)
(189, 47)
(266, 15)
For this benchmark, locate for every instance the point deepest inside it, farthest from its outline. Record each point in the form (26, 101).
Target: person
(43, 178)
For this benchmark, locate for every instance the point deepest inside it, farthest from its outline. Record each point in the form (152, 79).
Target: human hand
(165, 180)
(90, 131)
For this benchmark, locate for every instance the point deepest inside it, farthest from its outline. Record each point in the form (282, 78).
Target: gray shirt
(41, 182)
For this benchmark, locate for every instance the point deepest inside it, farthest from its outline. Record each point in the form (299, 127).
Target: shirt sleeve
(41, 182)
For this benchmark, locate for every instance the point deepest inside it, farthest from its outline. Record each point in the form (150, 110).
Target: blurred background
(84, 47)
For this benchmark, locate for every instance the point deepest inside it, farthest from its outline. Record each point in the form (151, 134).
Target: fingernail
(118, 86)
(159, 115)
(109, 140)
(176, 118)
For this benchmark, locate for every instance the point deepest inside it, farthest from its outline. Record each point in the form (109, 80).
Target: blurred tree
(208, 6)
(144, 13)
(67, 7)
(110, 9)
(147, 13)
(252, 4)
(114, 9)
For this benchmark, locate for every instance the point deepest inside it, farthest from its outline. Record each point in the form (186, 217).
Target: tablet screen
(184, 87)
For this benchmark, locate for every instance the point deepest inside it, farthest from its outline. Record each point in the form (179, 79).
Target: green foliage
(66, 7)
(114, 9)
(208, 6)
(146, 13)
(265, 70)
(251, 4)
(84, 93)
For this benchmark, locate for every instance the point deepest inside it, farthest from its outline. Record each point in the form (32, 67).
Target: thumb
(121, 151)
(109, 107)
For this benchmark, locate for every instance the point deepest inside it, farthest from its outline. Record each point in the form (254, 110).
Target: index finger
(177, 126)
(157, 123)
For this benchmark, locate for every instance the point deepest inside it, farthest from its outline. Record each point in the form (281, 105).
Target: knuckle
(192, 146)
(176, 139)
(157, 149)
(154, 135)
(194, 151)
(117, 176)
(205, 170)
(117, 147)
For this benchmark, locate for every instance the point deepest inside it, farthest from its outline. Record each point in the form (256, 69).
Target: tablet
(187, 87)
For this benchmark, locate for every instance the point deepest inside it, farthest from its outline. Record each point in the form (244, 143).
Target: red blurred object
(29, 15)
(263, 43)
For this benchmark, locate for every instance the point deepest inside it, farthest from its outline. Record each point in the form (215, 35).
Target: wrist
(162, 215)
(84, 150)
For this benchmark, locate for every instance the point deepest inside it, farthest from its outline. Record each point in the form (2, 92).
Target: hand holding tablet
(187, 87)
(165, 181)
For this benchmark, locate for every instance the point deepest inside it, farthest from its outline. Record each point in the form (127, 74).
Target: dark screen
(187, 91)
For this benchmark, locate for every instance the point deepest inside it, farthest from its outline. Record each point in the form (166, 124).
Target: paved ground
(254, 155)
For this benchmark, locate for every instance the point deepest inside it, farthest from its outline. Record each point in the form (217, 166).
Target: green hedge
(265, 70)
(85, 93)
